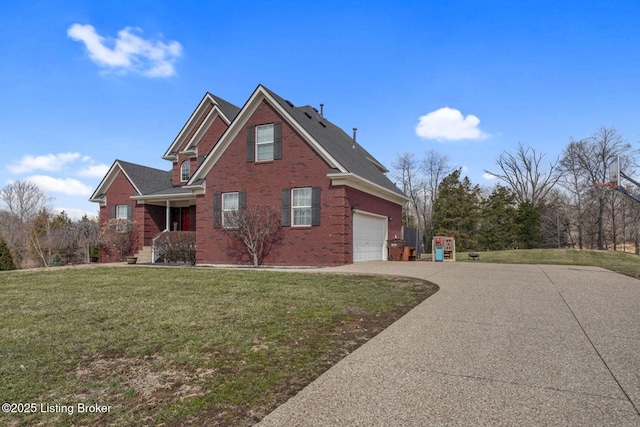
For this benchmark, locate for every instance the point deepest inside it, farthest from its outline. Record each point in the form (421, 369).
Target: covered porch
(164, 213)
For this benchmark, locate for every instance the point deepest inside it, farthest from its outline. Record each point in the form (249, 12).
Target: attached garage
(369, 237)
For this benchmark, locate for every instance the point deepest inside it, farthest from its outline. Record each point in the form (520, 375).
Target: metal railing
(153, 246)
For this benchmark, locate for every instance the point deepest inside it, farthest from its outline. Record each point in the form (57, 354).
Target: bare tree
(435, 166)
(257, 227)
(575, 181)
(594, 155)
(406, 171)
(23, 201)
(524, 174)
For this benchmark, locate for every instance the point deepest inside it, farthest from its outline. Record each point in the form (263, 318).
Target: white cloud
(450, 125)
(128, 52)
(61, 185)
(94, 171)
(488, 176)
(48, 162)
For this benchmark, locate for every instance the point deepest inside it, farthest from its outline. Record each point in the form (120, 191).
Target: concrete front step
(144, 255)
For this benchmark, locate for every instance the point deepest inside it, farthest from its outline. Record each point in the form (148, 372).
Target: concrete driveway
(496, 345)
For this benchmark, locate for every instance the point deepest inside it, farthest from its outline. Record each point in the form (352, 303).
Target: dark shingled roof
(147, 180)
(337, 143)
(227, 108)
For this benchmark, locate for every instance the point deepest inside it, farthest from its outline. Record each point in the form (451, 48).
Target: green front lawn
(179, 345)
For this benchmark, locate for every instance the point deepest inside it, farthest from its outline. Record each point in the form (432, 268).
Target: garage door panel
(369, 237)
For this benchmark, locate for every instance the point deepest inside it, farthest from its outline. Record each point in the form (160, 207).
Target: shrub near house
(335, 203)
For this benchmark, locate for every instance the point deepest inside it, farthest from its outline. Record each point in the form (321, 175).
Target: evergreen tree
(498, 227)
(528, 218)
(6, 260)
(456, 210)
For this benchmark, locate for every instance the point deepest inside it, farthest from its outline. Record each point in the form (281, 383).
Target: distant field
(173, 346)
(620, 262)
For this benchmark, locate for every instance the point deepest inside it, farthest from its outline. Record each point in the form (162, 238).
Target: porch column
(168, 215)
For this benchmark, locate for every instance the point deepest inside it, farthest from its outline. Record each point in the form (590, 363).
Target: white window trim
(186, 163)
(309, 207)
(223, 211)
(121, 216)
(122, 211)
(272, 142)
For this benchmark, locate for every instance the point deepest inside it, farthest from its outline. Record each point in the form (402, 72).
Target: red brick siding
(119, 193)
(154, 222)
(149, 219)
(300, 166)
(368, 203)
(208, 141)
(211, 137)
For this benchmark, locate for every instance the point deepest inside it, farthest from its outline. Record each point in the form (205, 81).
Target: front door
(185, 219)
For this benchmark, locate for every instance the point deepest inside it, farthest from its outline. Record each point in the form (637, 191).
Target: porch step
(144, 255)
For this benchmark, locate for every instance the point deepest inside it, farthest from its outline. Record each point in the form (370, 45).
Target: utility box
(444, 248)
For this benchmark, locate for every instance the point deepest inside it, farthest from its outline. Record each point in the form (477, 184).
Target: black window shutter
(242, 200)
(277, 141)
(251, 150)
(286, 207)
(112, 212)
(315, 206)
(130, 212)
(217, 210)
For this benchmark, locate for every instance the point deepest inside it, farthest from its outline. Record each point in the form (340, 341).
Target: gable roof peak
(223, 108)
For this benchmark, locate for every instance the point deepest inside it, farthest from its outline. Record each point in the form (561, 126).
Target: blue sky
(85, 83)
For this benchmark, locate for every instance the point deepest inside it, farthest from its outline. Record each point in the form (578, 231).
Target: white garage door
(369, 237)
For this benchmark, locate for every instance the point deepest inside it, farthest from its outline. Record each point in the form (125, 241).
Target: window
(123, 215)
(122, 212)
(185, 170)
(230, 204)
(301, 206)
(264, 143)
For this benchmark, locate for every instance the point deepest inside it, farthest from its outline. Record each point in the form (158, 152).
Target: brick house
(337, 204)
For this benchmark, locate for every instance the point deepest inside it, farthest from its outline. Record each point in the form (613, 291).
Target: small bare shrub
(119, 236)
(176, 246)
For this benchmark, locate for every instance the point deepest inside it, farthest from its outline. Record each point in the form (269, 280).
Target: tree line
(535, 203)
(32, 234)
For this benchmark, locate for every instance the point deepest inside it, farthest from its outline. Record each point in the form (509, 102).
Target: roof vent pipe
(354, 138)
(321, 110)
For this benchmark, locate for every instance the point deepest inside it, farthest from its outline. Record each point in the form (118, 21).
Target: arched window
(185, 170)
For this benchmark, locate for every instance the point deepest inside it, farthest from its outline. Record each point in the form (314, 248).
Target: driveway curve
(496, 345)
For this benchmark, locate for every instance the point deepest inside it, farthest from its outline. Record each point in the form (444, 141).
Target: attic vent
(322, 124)
(289, 103)
(307, 114)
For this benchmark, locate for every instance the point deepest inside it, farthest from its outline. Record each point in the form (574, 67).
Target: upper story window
(185, 170)
(301, 206)
(264, 143)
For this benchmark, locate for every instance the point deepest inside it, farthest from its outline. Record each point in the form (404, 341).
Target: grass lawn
(619, 262)
(175, 346)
